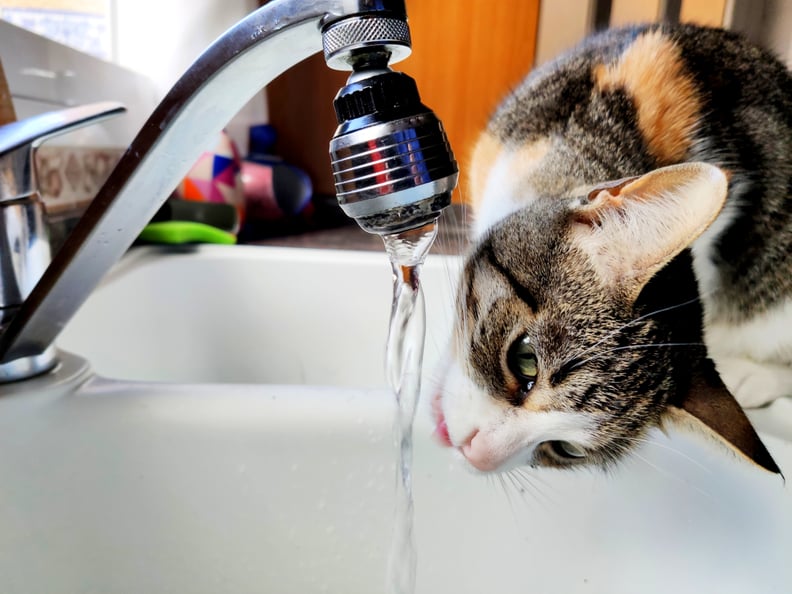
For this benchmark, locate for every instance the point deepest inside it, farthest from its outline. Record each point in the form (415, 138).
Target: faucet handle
(19, 139)
(26, 249)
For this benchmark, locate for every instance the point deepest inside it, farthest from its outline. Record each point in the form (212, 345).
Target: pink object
(216, 177)
(275, 189)
(257, 180)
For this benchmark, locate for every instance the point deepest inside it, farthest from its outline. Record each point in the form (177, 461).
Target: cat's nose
(477, 452)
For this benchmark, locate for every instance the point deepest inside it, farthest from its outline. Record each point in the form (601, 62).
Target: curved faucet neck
(227, 75)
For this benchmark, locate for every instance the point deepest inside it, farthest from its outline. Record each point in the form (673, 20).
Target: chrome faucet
(393, 168)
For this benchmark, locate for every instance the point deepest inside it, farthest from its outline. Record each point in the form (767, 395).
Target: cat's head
(578, 328)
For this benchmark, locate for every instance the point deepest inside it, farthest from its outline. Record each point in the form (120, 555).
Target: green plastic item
(179, 232)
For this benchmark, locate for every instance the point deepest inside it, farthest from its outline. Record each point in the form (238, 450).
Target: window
(82, 24)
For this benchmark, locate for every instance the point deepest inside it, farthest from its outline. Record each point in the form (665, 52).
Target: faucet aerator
(393, 167)
(392, 164)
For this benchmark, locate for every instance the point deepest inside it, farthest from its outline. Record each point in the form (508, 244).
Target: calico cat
(633, 224)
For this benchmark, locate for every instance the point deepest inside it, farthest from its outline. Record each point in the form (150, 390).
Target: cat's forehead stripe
(517, 287)
(668, 105)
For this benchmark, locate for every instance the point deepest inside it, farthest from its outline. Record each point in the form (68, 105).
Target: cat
(633, 225)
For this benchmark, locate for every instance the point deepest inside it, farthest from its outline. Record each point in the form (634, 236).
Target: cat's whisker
(506, 492)
(524, 472)
(666, 473)
(462, 318)
(527, 482)
(452, 216)
(521, 491)
(463, 224)
(539, 479)
(676, 451)
(631, 323)
(646, 441)
(635, 346)
(653, 466)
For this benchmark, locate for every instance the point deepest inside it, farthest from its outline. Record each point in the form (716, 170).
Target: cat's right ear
(631, 228)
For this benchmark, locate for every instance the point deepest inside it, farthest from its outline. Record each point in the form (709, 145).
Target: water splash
(403, 357)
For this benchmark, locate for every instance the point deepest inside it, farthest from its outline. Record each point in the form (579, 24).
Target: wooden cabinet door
(467, 54)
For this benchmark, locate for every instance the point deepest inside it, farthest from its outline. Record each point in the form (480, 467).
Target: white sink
(118, 486)
(244, 314)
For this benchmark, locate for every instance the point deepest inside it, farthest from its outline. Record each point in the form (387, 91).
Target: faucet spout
(228, 74)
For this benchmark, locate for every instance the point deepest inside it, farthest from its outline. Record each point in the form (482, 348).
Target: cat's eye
(523, 362)
(565, 449)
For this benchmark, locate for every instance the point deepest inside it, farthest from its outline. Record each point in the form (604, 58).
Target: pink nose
(474, 448)
(478, 454)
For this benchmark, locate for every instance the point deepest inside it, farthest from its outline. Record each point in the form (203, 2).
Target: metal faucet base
(28, 366)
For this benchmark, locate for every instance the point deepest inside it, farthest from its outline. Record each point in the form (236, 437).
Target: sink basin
(245, 314)
(209, 480)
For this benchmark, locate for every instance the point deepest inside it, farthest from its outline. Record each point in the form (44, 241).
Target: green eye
(567, 450)
(523, 363)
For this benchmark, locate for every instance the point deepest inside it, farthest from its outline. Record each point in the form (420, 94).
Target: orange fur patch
(651, 70)
(529, 156)
(487, 150)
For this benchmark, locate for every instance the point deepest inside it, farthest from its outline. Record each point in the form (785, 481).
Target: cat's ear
(707, 407)
(633, 227)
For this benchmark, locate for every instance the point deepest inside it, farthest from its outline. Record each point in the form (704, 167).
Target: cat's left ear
(707, 408)
(632, 228)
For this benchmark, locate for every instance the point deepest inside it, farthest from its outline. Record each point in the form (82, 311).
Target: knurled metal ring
(365, 31)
